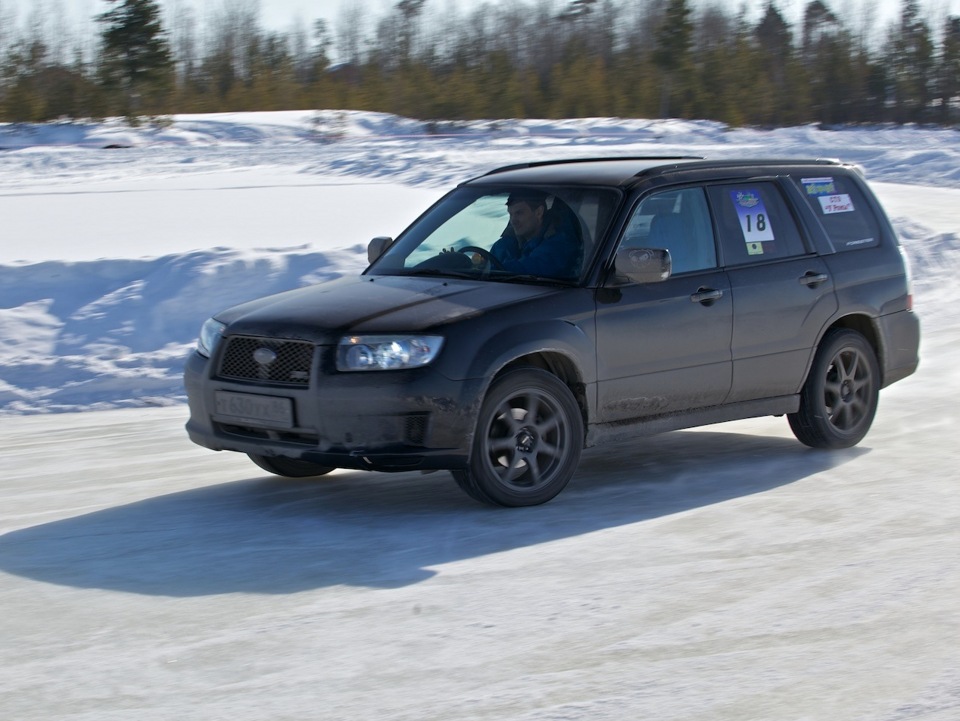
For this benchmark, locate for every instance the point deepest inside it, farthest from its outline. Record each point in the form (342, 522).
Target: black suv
(546, 307)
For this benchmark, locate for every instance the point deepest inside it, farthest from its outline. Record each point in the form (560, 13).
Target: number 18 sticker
(754, 220)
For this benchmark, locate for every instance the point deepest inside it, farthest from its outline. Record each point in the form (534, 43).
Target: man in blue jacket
(538, 241)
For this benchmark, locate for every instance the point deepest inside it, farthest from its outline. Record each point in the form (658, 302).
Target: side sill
(600, 433)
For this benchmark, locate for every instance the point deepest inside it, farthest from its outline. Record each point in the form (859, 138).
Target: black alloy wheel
(528, 441)
(839, 399)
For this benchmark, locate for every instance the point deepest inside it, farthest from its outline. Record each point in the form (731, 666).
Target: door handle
(706, 296)
(812, 280)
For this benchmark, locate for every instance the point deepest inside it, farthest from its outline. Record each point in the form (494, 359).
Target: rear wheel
(528, 441)
(289, 467)
(839, 399)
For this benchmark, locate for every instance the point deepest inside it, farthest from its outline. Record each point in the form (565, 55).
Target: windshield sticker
(840, 203)
(819, 186)
(754, 221)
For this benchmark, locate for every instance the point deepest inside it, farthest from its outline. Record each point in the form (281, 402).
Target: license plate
(256, 410)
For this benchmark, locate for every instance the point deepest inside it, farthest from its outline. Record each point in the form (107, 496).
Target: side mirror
(642, 265)
(377, 247)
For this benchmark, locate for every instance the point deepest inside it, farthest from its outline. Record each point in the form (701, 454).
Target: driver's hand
(476, 259)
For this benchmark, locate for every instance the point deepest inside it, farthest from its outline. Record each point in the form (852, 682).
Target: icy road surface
(726, 573)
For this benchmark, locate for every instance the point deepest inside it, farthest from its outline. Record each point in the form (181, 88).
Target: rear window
(842, 209)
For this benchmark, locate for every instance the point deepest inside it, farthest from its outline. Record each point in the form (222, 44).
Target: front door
(665, 347)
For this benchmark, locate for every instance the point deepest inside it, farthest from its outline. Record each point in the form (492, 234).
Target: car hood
(372, 304)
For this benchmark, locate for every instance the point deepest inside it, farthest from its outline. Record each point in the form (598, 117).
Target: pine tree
(949, 85)
(786, 102)
(911, 60)
(672, 54)
(137, 57)
(828, 57)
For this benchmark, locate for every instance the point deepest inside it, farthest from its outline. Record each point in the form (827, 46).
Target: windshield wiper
(507, 277)
(441, 272)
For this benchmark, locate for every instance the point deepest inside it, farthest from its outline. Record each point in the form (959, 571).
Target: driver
(537, 242)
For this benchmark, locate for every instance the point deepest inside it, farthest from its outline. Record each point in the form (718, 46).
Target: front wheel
(528, 441)
(289, 467)
(839, 399)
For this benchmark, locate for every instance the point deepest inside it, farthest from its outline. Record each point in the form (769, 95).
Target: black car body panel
(372, 304)
(768, 259)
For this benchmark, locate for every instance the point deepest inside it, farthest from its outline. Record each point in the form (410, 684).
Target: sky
(281, 14)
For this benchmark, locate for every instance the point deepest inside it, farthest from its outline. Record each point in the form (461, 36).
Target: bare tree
(183, 38)
(233, 35)
(949, 75)
(7, 19)
(350, 28)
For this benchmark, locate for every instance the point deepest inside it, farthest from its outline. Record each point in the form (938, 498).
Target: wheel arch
(559, 347)
(557, 364)
(865, 326)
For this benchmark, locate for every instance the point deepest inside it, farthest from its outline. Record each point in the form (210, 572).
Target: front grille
(279, 361)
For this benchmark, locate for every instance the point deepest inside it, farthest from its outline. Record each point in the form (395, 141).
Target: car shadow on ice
(278, 536)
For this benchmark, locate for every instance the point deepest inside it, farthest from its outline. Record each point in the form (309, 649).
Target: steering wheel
(485, 254)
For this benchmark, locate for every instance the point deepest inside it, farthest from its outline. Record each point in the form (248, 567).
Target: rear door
(783, 293)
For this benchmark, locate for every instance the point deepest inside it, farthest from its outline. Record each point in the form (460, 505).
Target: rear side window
(755, 223)
(840, 205)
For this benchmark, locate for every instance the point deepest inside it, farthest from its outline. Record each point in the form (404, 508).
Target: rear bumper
(383, 420)
(900, 354)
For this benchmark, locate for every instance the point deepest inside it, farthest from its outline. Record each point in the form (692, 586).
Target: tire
(289, 467)
(528, 441)
(839, 399)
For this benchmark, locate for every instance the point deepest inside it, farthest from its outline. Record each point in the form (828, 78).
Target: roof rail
(568, 161)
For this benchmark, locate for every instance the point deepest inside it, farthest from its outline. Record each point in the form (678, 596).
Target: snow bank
(81, 335)
(117, 242)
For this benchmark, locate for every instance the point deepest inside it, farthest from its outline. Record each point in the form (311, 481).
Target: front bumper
(376, 420)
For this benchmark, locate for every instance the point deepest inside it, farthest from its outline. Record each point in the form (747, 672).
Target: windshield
(504, 234)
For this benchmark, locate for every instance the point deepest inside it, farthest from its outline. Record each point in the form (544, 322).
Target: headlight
(210, 334)
(386, 352)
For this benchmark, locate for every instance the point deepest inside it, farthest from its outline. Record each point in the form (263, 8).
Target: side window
(678, 220)
(755, 223)
(839, 204)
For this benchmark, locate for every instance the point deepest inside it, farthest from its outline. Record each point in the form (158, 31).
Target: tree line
(525, 59)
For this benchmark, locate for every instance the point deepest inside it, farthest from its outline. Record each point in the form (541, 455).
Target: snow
(724, 573)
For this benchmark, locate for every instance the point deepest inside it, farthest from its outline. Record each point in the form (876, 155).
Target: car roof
(627, 172)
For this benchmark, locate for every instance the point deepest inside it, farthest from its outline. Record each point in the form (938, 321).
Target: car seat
(669, 231)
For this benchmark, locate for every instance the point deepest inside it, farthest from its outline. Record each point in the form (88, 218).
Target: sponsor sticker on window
(819, 186)
(836, 203)
(754, 219)
(825, 191)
